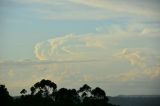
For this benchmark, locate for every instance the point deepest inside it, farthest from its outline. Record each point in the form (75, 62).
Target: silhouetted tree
(45, 93)
(23, 92)
(43, 88)
(85, 89)
(67, 96)
(5, 98)
(62, 94)
(74, 96)
(33, 89)
(98, 93)
(84, 94)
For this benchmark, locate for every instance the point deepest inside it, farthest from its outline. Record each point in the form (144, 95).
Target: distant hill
(136, 100)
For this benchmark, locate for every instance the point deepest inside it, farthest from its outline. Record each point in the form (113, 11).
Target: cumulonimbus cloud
(72, 46)
(68, 47)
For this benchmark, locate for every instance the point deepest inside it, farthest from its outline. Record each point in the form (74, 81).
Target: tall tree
(43, 88)
(98, 93)
(5, 98)
(84, 90)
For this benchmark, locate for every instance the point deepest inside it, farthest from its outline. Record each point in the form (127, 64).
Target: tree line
(45, 93)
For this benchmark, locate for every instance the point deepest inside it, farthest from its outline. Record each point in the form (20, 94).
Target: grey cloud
(44, 62)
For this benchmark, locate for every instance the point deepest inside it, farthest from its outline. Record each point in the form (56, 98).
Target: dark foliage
(45, 93)
(23, 91)
(5, 98)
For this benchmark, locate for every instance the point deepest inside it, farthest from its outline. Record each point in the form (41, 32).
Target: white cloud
(57, 52)
(40, 55)
(137, 29)
(70, 47)
(142, 8)
(67, 72)
(141, 57)
(133, 57)
(94, 9)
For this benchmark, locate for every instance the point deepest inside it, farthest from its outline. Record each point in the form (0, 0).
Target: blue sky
(111, 44)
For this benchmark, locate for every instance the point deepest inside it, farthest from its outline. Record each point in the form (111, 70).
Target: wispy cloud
(136, 29)
(125, 6)
(95, 9)
(22, 63)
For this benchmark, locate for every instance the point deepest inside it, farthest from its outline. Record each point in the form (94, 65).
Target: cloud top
(68, 47)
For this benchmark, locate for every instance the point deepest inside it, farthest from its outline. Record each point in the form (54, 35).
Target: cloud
(133, 57)
(152, 72)
(125, 6)
(146, 61)
(141, 57)
(68, 73)
(84, 49)
(26, 75)
(41, 55)
(94, 9)
(139, 74)
(23, 63)
(70, 58)
(130, 75)
(69, 47)
(151, 31)
(63, 10)
(83, 46)
(131, 29)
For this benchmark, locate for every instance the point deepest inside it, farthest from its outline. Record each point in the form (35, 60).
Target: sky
(112, 44)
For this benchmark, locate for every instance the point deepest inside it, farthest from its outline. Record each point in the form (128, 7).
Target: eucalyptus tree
(85, 90)
(43, 88)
